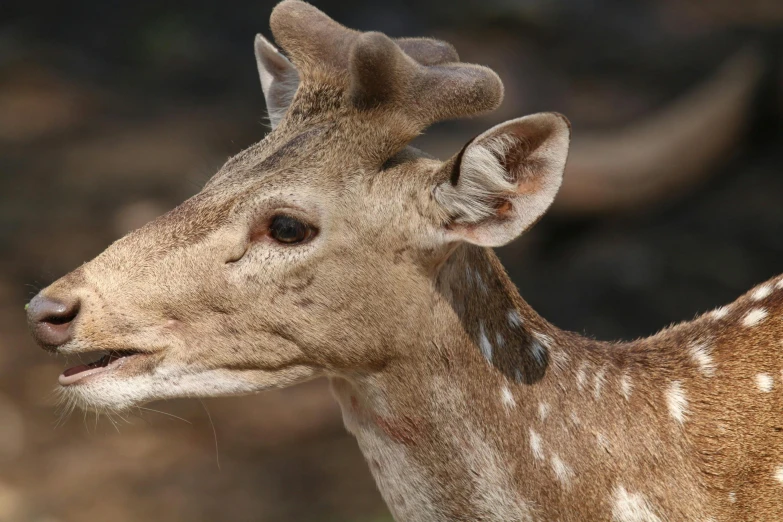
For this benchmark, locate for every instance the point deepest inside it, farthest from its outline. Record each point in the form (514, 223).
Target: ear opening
(504, 180)
(279, 79)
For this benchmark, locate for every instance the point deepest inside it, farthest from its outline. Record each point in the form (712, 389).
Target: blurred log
(667, 153)
(722, 13)
(36, 103)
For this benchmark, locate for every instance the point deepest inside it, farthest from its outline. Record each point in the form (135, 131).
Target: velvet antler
(400, 86)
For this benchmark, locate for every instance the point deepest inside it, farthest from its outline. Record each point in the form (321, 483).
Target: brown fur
(466, 403)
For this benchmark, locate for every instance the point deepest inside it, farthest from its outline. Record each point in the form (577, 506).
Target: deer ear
(504, 180)
(279, 79)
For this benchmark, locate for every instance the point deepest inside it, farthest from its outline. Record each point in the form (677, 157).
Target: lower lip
(67, 380)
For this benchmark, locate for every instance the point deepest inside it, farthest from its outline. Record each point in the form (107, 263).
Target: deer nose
(51, 321)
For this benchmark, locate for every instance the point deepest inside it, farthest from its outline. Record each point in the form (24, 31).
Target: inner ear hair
(482, 181)
(504, 180)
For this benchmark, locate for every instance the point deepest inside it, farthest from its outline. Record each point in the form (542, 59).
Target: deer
(333, 248)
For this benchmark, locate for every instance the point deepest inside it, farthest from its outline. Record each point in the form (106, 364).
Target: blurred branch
(667, 153)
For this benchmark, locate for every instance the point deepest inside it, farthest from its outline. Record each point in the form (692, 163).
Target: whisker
(140, 415)
(214, 433)
(113, 423)
(165, 413)
(36, 287)
(64, 409)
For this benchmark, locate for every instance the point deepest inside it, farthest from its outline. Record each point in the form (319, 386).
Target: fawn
(333, 248)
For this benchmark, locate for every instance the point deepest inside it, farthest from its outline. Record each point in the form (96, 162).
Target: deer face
(312, 251)
(266, 277)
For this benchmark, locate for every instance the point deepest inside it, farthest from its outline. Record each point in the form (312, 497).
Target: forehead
(281, 155)
(319, 159)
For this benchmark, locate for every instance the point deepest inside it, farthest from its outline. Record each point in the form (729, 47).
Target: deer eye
(289, 230)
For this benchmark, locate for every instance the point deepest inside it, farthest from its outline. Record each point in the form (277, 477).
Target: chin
(120, 381)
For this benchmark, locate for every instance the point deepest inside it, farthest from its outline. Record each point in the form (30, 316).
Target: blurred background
(111, 113)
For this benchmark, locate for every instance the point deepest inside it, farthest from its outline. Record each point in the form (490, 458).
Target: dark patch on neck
(523, 359)
(485, 302)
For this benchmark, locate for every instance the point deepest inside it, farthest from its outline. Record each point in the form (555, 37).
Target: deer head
(314, 251)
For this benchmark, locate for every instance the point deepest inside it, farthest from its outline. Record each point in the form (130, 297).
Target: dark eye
(289, 230)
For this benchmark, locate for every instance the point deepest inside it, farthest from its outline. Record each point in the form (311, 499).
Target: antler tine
(428, 51)
(382, 74)
(402, 85)
(312, 39)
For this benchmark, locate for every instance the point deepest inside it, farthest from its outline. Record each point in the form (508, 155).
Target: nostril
(45, 310)
(50, 320)
(64, 316)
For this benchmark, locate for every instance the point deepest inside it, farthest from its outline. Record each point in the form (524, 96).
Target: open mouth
(110, 361)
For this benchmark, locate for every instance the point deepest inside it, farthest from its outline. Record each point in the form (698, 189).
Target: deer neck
(480, 367)
(495, 414)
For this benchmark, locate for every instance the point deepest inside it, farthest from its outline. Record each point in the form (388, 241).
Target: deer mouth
(108, 362)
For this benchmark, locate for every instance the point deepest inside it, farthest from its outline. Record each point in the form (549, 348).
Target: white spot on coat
(544, 339)
(732, 497)
(500, 340)
(514, 320)
(480, 282)
(602, 441)
(598, 383)
(764, 382)
(754, 317)
(626, 386)
(677, 402)
(536, 446)
(543, 411)
(779, 284)
(507, 398)
(631, 507)
(538, 352)
(778, 474)
(581, 376)
(720, 313)
(563, 471)
(484, 344)
(701, 354)
(761, 292)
